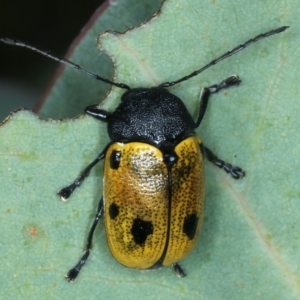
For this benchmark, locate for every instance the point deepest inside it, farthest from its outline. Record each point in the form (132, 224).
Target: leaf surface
(249, 245)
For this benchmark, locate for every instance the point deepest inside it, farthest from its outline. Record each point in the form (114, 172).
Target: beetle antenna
(226, 55)
(64, 61)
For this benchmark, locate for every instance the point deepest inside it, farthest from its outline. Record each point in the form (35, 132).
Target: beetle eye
(115, 159)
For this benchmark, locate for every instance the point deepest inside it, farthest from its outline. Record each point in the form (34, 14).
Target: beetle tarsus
(234, 171)
(73, 273)
(178, 270)
(232, 80)
(66, 192)
(207, 91)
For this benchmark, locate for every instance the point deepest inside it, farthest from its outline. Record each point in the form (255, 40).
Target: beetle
(153, 185)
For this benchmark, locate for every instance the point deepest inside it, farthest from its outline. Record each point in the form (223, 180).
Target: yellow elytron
(169, 203)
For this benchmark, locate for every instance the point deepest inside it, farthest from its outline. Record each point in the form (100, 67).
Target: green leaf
(249, 246)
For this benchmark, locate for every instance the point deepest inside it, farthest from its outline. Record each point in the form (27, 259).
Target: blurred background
(50, 25)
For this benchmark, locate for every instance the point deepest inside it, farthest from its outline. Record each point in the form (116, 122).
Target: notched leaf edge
(118, 33)
(21, 110)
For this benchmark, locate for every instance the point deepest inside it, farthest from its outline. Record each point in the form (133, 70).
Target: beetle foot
(232, 80)
(73, 273)
(178, 270)
(234, 171)
(66, 192)
(226, 83)
(237, 172)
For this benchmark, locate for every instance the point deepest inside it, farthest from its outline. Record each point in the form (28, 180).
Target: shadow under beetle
(153, 185)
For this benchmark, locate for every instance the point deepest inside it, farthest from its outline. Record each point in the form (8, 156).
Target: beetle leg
(207, 91)
(73, 273)
(178, 270)
(66, 192)
(235, 172)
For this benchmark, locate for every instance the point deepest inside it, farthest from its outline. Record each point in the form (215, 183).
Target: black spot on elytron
(115, 159)
(140, 230)
(113, 211)
(190, 225)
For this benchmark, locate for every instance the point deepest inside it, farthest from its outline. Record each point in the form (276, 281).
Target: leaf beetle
(153, 185)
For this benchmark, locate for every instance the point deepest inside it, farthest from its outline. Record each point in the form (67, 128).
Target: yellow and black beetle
(153, 185)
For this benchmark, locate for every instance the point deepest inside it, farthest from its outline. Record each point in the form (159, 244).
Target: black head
(153, 115)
